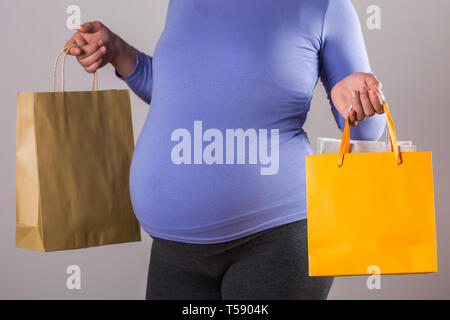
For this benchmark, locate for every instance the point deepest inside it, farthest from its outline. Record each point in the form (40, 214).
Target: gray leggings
(268, 265)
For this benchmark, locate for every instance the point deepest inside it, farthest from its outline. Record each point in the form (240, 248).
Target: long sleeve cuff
(371, 128)
(140, 80)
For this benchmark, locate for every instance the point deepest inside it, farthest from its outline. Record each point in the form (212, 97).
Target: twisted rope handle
(66, 51)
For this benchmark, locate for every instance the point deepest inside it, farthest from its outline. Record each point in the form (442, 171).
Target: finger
(94, 67)
(89, 49)
(352, 121)
(352, 118)
(366, 104)
(90, 27)
(84, 28)
(372, 82)
(93, 57)
(77, 39)
(357, 106)
(376, 101)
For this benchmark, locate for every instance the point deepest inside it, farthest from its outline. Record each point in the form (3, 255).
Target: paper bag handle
(66, 51)
(345, 143)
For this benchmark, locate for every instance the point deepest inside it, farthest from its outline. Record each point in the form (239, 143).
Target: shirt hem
(261, 227)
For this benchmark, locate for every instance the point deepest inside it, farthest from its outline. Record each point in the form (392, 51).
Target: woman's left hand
(362, 91)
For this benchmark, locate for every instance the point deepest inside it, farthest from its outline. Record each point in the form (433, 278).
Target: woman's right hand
(100, 46)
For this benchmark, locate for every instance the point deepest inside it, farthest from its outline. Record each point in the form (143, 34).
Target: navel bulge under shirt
(236, 64)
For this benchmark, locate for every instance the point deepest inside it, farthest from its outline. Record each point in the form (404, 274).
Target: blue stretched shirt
(224, 65)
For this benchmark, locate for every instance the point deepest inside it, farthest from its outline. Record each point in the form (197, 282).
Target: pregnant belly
(171, 195)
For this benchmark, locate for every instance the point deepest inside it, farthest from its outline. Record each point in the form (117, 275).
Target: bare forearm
(125, 57)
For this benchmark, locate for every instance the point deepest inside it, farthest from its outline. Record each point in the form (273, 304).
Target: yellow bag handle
(66, 51)
(345, 143)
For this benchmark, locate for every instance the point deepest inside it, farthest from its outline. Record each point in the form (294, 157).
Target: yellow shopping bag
(369, 210)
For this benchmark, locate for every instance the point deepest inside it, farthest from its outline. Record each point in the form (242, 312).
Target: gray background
(409, 54)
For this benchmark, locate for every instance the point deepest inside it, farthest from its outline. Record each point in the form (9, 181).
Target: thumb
(89, 27)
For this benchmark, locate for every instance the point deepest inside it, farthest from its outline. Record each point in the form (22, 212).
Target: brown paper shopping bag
(73, 156)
